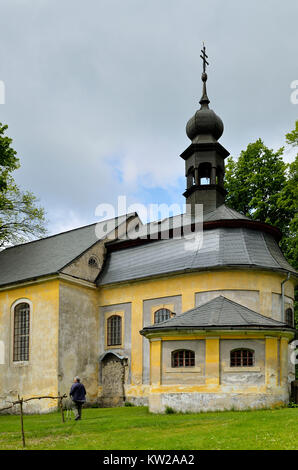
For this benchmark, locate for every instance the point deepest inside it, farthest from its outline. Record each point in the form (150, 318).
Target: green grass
(136, 428)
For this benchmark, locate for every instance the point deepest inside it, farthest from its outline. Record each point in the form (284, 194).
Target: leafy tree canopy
(262, 186)
(292, 137)
(21, 219)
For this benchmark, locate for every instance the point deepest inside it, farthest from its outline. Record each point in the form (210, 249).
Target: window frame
(182, 352)
(162, 309)
(291, 324)
(119, 333)
(93, 262)
(234, 361)
(16, 361)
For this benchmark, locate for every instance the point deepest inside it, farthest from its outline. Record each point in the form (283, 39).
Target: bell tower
(204, 158)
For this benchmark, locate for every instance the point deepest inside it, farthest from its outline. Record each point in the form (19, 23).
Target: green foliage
(129, 404)
(169, 410)
(255, 183)
(292, 405)
(292, 137)
(8, 163)
(263, 187)
(21, 219)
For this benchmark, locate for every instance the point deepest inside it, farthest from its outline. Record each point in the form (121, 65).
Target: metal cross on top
(204, 57)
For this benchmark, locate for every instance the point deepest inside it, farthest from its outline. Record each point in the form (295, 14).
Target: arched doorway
(113, 379)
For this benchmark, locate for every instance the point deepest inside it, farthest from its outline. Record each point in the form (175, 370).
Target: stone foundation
(198, 402)
(138, 401)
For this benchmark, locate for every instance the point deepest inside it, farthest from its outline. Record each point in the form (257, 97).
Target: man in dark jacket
(78, 396)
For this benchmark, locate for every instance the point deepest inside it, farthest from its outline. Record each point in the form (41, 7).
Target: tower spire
(204, 101)
(204, 158)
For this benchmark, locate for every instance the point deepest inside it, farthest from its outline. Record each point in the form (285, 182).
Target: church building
(145, 320)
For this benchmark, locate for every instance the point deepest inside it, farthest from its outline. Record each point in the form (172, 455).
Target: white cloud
(98, 93)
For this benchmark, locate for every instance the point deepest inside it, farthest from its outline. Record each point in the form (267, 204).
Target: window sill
(20, 363)
(242, 369)
(187, 370)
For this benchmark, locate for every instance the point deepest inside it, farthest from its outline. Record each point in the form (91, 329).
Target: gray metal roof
(224, 212)
(220, 313)
(222, 247)
(47, 255)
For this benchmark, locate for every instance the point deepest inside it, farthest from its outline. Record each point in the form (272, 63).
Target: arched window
(21, 327)
(242, 358)
(92, 262)
(183, 358)
(162, 314)
(289, 317)
(114, 333)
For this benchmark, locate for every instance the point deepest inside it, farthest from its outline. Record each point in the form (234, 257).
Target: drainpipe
(283, 297)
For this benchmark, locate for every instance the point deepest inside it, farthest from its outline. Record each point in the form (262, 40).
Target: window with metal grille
(289, 317)
(242, 358)
(21, 332)
(114, 330)
(162, 314)
(183, 358)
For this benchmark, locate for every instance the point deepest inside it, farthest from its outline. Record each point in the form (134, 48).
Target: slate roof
(224, 212)
(47, 255)
(218, 313)
(222, 247)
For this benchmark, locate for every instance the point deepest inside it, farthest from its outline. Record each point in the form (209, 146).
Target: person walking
(78, 396)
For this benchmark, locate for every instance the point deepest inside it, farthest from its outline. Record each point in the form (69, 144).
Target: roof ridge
(190, 311)
(200, 317)
(245, 247)
(222, 298)
(267, 249)
(67, 231)
(250, 310)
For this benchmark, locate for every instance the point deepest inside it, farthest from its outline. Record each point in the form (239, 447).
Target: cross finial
(204, 57)
(204, 101)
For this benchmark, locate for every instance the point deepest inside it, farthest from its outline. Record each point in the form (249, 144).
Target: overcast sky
(98, 92)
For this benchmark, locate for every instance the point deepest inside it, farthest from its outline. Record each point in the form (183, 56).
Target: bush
(169, 410)
(128, 403)
(292, 405)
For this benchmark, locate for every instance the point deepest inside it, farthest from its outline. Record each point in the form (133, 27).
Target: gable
(53, 254)
(80, 267)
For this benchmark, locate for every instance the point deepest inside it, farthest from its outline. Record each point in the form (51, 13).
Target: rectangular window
(242, 358)
(183, 358)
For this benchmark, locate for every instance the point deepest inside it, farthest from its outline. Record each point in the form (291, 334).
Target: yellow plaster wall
(212, 361)
(155, 361)
(78, 337)
(272, 361)
(38, 376)
(187, 285)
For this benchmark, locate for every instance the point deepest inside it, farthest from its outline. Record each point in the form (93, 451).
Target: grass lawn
(136, 428)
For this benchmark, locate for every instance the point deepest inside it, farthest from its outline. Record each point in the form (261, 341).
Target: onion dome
(205, 125)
